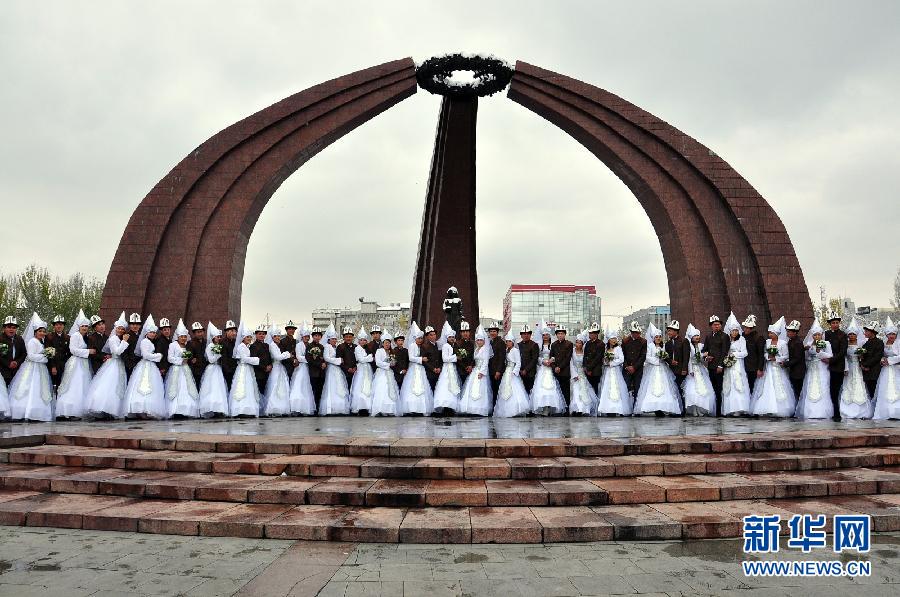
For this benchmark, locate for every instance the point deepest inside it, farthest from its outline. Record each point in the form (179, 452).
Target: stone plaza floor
(36, 561)
(457, 427)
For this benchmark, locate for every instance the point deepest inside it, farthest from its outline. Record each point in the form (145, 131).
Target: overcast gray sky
(100, 99)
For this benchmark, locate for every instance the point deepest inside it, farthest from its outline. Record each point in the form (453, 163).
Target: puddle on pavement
(470, 558)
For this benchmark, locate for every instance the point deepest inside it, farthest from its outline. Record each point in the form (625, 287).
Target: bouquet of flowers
(461, 353)
(216, 349)
(50, 352)
(729, 361)
(4, 348)
(315, 352)
(860, 351)
(186, 354)
(698, 356)
(609, 355)
(393, 359)
(820, 344)
(772, 351)
(662, 355)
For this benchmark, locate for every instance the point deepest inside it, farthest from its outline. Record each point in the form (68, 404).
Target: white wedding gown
(699, 397)
(512, 397)
(335, 394)
(146, 394)
(546, 397)
(855, 402)
(476, 397)
(303, 401)
(614, 396)
(31, 391)
(106, 395)
(361, 387)
(415, 395)
(773, 394)
(448, 387)
(887, 392)
(213, 389)
(735, 386)
(71, 397)
(385, 393)
(181, 391)
(583, 397)
(244, 395)
(658, 391)
(815, 397)
(277, 397)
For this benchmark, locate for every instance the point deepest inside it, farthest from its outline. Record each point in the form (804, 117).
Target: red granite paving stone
(150, 461)
(728, 463)
(106, 458)
(550, 447)
(885, 517)
(775, 461)
(739, 487)
(436, 525)
(814, 506)
(340, 491)
(816, 460)
(307, 523)
(63, 459)
(487, 468)
(370, 446)
(9, 495)
(813, 443)
(584, 466)
(891, 456)
(741, 508)
(859, 457)
(639, 446)
(888, 498)
(87, 481)
(278, 465)
(123, 517)
(415, 448)
(574, 492)
(630, 491)
(772, 443)
(275, 445)
(438, 468)
(177, 487)
(683, 465)
(158, 443)
(850, 441)
(504, 525)
(503, 492)
(181, 518)
(196, 462)
(66, 510)
(839, 484)
(22, 440)
(229, 488)
(639, 522)
(132, 484)
(36, 478)
(334, 446)
(397, 493)
(536, 468)
(388, 468)
(887, 481)
(370, 525)
(461, 448)
(637, 466)
(795, 484)
(195, 443)
(27, 456)
(505, 448)
(336, 466)
(246, 464)
(300, 465)
(731, 445)
(456, 493)
(573, 523)
(281, 491)
(244, 520)
(233, 446)
(14, 512)
(684, 489)
(590, 446)
(701, 520)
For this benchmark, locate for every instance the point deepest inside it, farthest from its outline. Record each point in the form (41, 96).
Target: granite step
(464, 448)
(474, 468)
(417, 493)
(483, 524)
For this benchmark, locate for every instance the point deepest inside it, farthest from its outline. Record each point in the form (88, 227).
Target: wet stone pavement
(35, 561)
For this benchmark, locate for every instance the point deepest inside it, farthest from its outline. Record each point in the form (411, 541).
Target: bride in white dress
(614, 397)
(213, 389)
(385, 393)
(277, 397)
(181, 391)
(546, 396)
(584, 399)
(887, 391)
(854, 402)
(303, 400)
(735, 386)
(361, 387)
(244, 395)
(335, 394)
(699, 397)
(145, 396)
(448, 387)
(477, 397)
(773, 394)
(106, 394)
(512, 397)
(31, 391)
(658, 393)
(72, 394)
(416, 396)
(815, 397)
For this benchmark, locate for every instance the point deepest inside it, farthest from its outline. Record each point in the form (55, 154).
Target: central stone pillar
(447, 243)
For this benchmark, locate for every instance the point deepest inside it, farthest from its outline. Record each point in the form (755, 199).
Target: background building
(571, 305)
(658, 315)
(391, 316)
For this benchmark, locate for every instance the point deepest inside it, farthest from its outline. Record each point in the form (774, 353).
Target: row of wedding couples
(269, 372)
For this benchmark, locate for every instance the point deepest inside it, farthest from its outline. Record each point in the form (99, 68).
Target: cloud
(101, 99)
